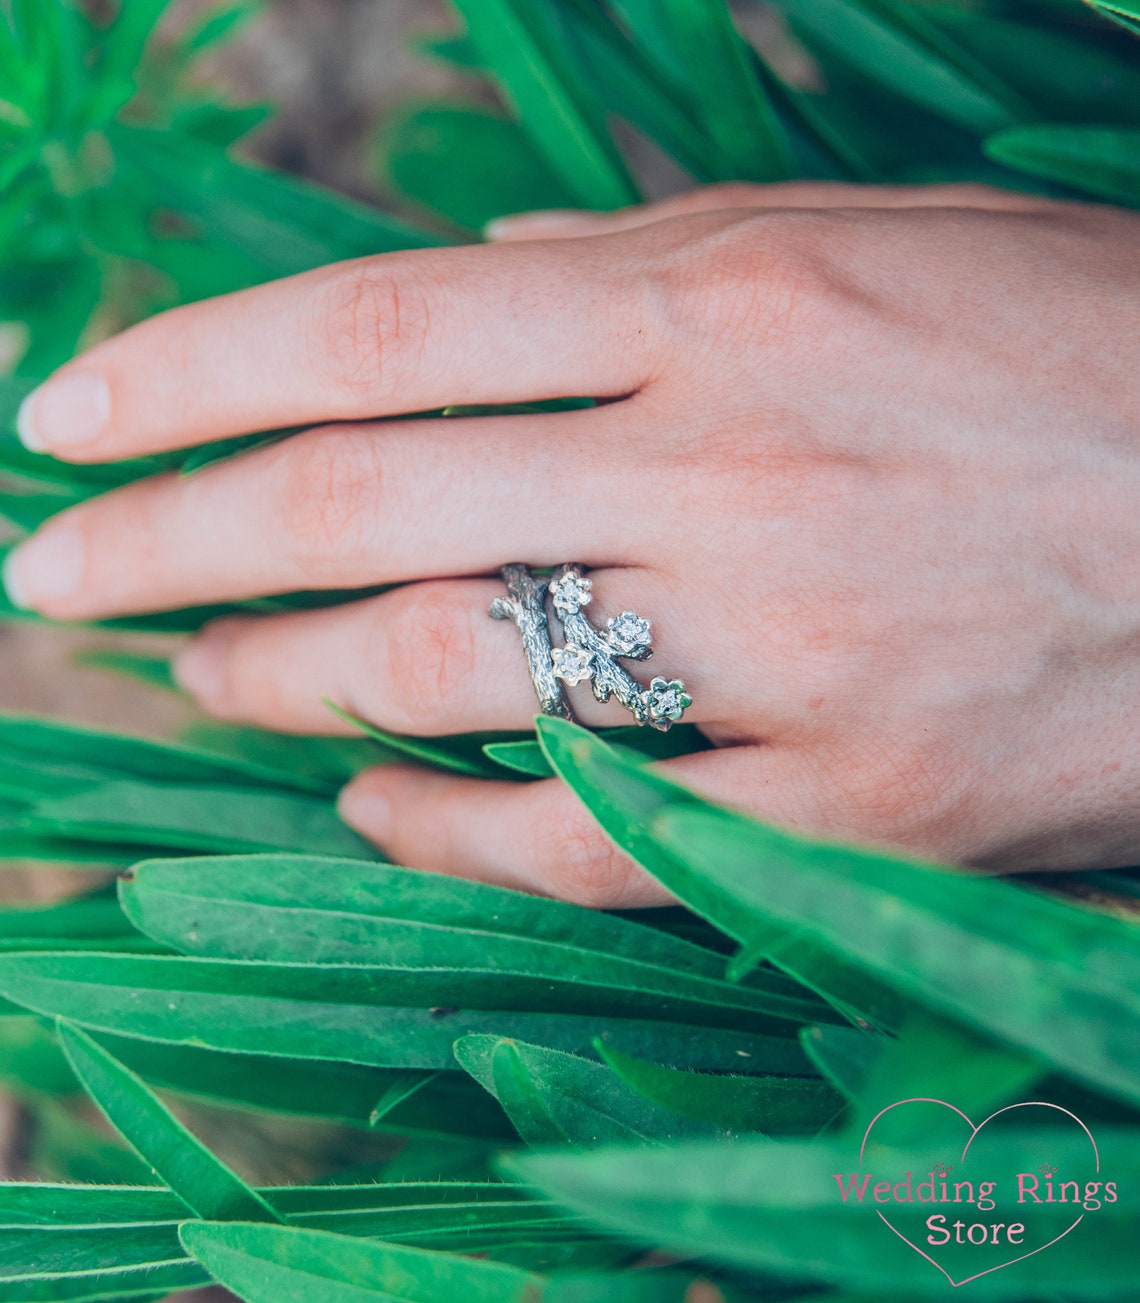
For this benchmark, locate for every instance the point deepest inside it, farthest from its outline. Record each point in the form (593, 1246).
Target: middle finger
(339, 507)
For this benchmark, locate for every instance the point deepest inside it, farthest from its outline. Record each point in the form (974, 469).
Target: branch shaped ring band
(588, 653)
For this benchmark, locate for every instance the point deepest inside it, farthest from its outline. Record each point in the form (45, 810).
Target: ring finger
(425, 659)
(338, 507)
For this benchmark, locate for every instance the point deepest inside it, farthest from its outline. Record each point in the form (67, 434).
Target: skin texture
(869, 459)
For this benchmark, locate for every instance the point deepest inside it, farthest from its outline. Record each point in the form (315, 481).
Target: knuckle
(430, 652)
(585, 867)
(334, 481)
(371, 330)
(759, 281)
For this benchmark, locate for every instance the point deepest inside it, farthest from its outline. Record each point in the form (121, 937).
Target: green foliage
(206, 1186)
(772, 1207)
(469, 165)
(688, 1080)
(555, 1099)
(1104, 161)
(286, 1265)
(943, 939)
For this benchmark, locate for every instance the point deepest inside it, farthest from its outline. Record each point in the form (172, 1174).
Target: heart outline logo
(974, 1130)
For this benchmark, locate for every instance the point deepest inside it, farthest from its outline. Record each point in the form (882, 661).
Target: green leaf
(944, 938)
(528, 757)
(447, 1105)
(76, 1241)
(151, 670)
(280, 224)
(1124, 12)
(457, 51)
(210, 454)
(517, 1091)
(625, 798)
(219, 124)
(1102, 161)
(387, 1018)
(218, 24)
(30, 1060)
(458, 1213)
(265, 1264)
(197, 818)
(730, 96)
(287, 910)
(460, 754)
(773, 1206)
(955, 940)
(206, 1186)
(120, 52)
(1063, 77)
(844, 1055)
(48, 1204)
(553, 1098)
(93, 1262)
(878, 41)
(26, 512)
(89, 755)
(468, 165)
(770, 1105)
(514, 39)
(631, 85)
(936, 1059)
(319, 764)
(82, 918)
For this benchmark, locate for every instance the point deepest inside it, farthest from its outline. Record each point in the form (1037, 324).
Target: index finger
(378, 336)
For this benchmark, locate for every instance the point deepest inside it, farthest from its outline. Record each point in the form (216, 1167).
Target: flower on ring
(571, 592)
(667, 699)
(572, 664)
(628, 634)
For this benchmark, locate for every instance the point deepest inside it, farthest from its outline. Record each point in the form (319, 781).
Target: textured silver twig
(588, 653)
(593, 654)
(525, 604)
(608, 678)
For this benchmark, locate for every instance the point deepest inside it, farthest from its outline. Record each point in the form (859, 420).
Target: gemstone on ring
(629, 635)
(667, 700)
(571, 592)
(572, 664)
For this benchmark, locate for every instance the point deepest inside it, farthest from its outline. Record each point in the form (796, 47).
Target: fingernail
(546, 219)
(49, 565)
(366, 810)
(200, 669)
(67, 411)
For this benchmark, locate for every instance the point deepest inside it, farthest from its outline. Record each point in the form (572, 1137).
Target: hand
(869, 460)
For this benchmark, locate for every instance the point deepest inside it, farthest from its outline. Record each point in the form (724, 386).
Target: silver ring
(588, 653)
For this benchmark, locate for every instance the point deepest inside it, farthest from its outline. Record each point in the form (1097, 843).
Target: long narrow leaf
(201, 1181)
(326, 911)
(555, 1098)
(395, 1018)
(1102, 161)
(266, 1264)
(514, 39)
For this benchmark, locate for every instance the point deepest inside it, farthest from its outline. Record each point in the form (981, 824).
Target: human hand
(869, 460)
